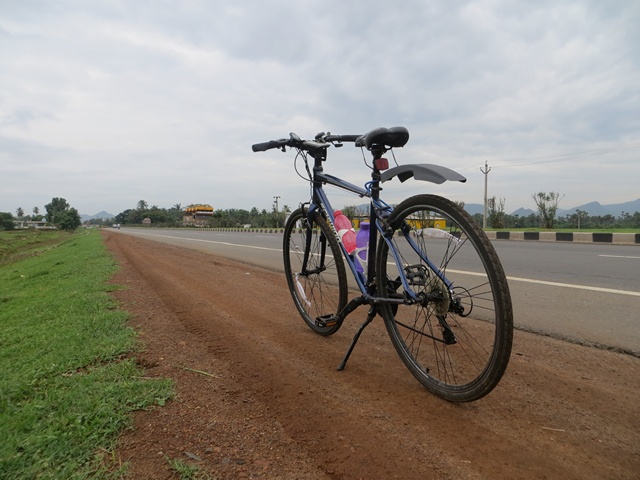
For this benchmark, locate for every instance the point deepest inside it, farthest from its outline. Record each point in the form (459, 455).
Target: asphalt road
(588, 293)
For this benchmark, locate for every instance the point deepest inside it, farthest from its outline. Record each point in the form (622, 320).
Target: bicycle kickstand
(370, 317)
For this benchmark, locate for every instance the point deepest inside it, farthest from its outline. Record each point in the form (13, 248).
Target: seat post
(377, 152)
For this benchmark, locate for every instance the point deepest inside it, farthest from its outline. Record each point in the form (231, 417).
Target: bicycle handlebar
(378, 139)
(263, 147)
(322, 140)
(341, 138)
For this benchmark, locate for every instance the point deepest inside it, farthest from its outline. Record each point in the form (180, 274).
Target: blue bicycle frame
(409, 278)
(378, 210)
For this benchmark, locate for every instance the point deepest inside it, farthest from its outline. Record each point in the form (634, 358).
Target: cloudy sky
(106, 103)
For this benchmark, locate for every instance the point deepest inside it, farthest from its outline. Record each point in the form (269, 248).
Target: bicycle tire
(320, 294)
(475, 311)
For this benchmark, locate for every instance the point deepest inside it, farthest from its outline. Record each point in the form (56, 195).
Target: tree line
(158, 216)
(230, 218)
(547, 206)
(59, 214)
(62, 215)
(580, 221)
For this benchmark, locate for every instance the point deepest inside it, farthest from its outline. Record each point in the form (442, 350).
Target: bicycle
(441, 292)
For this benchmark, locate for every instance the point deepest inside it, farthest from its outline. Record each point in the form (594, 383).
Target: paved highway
(588, 293)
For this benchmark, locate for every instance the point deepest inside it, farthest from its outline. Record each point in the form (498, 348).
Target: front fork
(312, 211)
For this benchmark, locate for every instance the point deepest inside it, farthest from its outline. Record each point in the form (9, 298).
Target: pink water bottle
(362, 247)
(345, 231)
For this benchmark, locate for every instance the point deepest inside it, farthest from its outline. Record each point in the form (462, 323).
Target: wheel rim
(317, 294)
(468, 311)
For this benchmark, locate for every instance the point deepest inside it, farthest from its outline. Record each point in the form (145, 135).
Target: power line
(567, 156)
(560, 157)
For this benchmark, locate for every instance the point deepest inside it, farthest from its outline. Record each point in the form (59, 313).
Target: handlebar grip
(262, 147)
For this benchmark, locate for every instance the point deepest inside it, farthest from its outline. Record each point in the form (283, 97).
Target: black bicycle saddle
(384, 137)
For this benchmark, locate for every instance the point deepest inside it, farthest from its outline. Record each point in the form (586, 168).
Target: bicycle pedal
(326, 321)
(416, 274)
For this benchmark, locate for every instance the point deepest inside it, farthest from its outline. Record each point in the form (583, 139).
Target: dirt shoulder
(258, 394)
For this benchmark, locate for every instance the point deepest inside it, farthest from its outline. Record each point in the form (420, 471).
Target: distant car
(116, 225)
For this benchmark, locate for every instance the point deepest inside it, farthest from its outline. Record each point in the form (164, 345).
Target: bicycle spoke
(457, 319)
(319, 288)
(447, 308)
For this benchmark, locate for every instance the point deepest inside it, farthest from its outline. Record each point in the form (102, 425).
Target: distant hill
(523, 212)
(102, 215)
(628, 207)
(473, 208)
(596, 209)
(593, 209)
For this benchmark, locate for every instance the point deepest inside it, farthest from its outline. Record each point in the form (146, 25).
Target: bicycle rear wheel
(321, 290)
(456, 339)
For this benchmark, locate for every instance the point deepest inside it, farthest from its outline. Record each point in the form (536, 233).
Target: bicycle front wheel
(320, 289)
(455, 335)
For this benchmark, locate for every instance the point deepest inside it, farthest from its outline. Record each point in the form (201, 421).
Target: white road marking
(579, 287)
(209, 241)
(619, 256)
(556, 284)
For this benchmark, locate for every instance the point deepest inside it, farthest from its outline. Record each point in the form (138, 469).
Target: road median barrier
(572, 237)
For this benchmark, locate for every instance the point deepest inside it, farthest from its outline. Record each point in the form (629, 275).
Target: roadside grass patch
(186, 470)
(18, 244)
(68, 385)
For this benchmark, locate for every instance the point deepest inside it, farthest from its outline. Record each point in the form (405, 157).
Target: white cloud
(108, 103)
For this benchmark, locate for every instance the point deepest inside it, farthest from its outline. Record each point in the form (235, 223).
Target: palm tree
(176, 212)
(142, 205)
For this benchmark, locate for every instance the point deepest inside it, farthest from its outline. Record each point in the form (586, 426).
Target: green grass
(186, 470)
(19, 244)
(68, 385)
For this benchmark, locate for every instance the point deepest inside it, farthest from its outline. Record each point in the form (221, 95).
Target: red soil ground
(258, 394)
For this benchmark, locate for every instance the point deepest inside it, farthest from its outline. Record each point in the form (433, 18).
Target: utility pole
(486, 176)
(275, 204)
